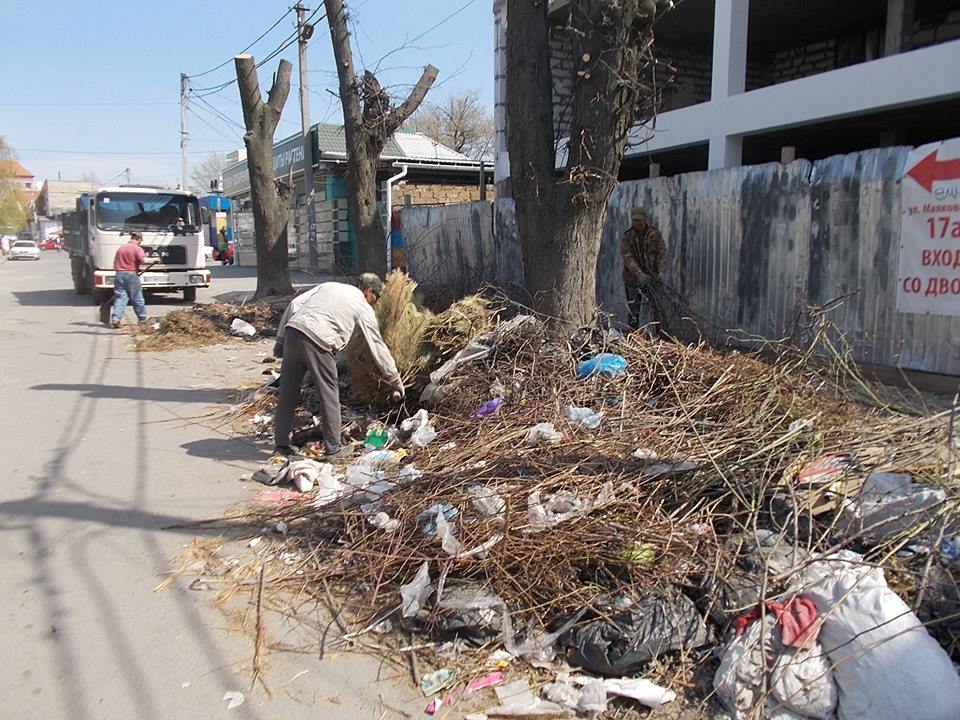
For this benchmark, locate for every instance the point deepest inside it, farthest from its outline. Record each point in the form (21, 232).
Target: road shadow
(227, 449)
(91, 513)
(127, 392)
(51, 298)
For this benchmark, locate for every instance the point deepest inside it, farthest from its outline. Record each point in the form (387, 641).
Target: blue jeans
(127, 288)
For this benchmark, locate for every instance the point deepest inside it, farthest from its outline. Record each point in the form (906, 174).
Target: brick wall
(931, 31)
(694, 76)
(437, 194)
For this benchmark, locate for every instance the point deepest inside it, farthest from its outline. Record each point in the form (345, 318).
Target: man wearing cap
(644, 259)
(126, 280)
(314, 328)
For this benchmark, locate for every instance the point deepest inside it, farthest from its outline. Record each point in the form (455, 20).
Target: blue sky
(94, 87)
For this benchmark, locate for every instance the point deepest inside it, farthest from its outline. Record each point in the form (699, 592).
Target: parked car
(24, 250)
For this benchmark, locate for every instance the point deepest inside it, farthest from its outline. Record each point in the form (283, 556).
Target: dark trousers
(300, 354)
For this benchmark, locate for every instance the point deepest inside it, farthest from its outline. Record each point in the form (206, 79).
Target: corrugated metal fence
(750, 248)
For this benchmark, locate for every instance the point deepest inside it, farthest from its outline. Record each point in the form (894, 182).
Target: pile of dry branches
(697, 450)
(209, 324)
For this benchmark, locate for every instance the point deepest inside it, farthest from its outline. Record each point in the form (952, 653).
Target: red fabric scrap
(797, 618)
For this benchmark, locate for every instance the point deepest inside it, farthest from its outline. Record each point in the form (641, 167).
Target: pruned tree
(208, 170)
(460, 122)
(561, 210)
(270, 196)
(13, 203)
(369, 119)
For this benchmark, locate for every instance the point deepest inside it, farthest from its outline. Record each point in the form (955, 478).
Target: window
(146, 211)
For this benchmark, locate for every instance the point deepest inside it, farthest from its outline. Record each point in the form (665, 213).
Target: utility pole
(304, 33)
(184, 89)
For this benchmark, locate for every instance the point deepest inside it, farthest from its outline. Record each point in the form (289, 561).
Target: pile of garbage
(621, 516)
(212, 323)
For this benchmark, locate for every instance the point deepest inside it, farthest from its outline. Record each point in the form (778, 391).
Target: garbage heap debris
(619, 516)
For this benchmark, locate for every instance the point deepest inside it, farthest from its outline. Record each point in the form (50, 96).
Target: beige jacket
(330, 313)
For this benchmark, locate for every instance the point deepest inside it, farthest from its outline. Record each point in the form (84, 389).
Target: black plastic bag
(620, 644)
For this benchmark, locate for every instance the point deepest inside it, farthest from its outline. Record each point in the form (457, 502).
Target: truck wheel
(78, 271)
(101, 296)
(190, 294)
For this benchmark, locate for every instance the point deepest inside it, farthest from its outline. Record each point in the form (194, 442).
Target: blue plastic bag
(602, 364)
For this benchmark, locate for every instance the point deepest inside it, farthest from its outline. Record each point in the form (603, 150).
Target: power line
(220, 114)
(446, 19)
(290, 40)
(227, 62)
(216, 130)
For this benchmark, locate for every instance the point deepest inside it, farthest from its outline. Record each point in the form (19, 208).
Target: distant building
(22, 177)
(434, 175)
(767, 80)
(59, 196)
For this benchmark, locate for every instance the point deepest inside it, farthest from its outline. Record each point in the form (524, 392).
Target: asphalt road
(97, 463)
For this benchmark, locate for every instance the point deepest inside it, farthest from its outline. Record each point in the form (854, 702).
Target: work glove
(278, 349)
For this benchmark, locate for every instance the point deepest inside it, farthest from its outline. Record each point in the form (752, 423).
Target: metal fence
(750, 248)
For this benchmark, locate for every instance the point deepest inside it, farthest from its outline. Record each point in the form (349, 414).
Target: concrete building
(59, 196)
(417, 171)
(769, 80)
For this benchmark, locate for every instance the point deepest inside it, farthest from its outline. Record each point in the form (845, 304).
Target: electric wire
(227, 62)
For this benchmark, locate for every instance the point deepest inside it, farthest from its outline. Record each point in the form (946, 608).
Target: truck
(171, 222)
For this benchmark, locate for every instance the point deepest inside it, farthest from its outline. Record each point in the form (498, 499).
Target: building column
(501, 156)
(725, 151)
(899, 26)
(729, 48)
(729, 72)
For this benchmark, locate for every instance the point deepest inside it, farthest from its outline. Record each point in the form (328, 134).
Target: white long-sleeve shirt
(330, 313)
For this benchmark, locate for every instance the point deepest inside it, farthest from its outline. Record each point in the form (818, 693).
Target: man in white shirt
(314, 328)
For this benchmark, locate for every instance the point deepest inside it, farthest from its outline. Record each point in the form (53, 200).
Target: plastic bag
(427, 520)
(739, 679)
(584, 417)
(487, 502)
(415, 593)
(469, 610)
(890, 503)
(886, 664)
(423, 436)
(242, 328)
(491, 408)
(620, 644)
(601, 364)
(803, 681)
(543, 433)
(450, 545)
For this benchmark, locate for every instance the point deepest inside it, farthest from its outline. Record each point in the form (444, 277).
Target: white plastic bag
(886, 664)
(543, 434)
(423, 436)
(415, 593)
(890, 503)
(802, 680)
(584, 417)
(242, 328)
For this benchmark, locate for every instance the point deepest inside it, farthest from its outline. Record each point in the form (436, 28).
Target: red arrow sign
(929, 170)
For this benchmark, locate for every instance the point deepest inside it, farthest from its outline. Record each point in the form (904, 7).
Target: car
(48, 245)
(24, 250)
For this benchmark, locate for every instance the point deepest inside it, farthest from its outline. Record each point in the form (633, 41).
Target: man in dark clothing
(644, 260)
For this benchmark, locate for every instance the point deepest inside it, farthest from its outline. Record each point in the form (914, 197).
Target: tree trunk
(560, 215)
(270, 197)
(368, 122)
